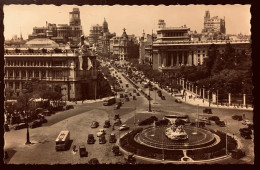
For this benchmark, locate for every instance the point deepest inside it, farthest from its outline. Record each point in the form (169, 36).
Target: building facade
(174, 48)
(213, 24)
(55, 65)
(61, 33)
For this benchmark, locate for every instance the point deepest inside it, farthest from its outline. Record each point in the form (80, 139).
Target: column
(20, 83)
(182, 61)
(177, 58)
(47, 74)
(183, 83)
(33, 73)
(186, 85)
(40, 74)
(190, 59)
(244, 100)
(20, 74)
(203, 92)
(195, 58)
(229, 99)
(26, 74)
(192, 88)
(171, 59)
(164, 59)
(196, 89)
(159, 59)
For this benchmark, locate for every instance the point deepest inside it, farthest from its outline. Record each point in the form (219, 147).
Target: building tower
(105, 26)
(75, 23)
(161, 23)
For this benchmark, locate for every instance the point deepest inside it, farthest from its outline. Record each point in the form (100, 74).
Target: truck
(62, 141)
(109, 102)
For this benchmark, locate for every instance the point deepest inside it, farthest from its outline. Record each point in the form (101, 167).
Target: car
(101, 132)
(130, 94)
(237, 117)
(46, 112)
(134, 91)
(126, 95)
(6, 156)
(126, 85)
(94, 124)
(69, 107)
(116, 150)
(82, 151)
(245, 130)
(207, 122)
(178, 101)
(246, 122)
(246, 135)
(6, 127)
(112, 138)
(121, 95)
(102, 139)
(131, 159)
(220, 123)
(35, 124)
(43, 120)
(163, 97)
(117, 122)
(93, 161)
(120, 81)
(40, 116)
(123, 127)
(214, 118)
(91, 139)
(237, 153)
(119, 77)
(127, 99)
(137, 94)
(116, 116)
(107, 124)
(20, 126)
(134, 97)
(207, 110)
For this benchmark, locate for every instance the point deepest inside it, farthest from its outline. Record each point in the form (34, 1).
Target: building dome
(124, 35)
(42, 43)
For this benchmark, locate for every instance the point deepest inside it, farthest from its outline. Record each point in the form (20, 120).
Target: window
(11, 85)
(17, 86)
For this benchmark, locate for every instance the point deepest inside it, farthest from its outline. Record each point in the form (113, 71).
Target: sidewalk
(200, 102)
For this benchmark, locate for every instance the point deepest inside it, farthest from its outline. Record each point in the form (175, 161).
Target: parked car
(127, 99)
(246, 122)
(137, 94)
(220, 123)
(117, 122)
(102, 139)
(163, 97)
(69, 107)
(123, 127)
(246, 135)
(134, 91)
(245, 130)
(134, 97)
(93, 161)
(178, 101)
(91, 139)
(116, 150)
(6, 126)
(116, 116)
(237, 117)
(82, 151)
(237, 154)
(131, 159)
(107, 124)
(121, 95)
(214, 118)
(207, 110)
(101, 132)
(35, 124)
(112, 138)
(43, 120)
(94, 124)
(126, 85)
(120, 81)
(130, 94)
(20, 126)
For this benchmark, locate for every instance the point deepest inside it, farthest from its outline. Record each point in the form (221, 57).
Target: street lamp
(150, 110)
(27, 125)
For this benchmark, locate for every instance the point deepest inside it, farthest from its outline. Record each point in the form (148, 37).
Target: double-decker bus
(62, 141)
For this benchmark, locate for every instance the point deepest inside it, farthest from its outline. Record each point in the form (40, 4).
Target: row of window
(33, 63)
(173, 34)
(36, 73)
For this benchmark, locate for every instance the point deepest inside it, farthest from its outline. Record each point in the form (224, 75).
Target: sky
(22, 18)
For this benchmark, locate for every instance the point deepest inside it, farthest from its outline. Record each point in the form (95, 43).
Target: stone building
(45, 60)
(213, 24)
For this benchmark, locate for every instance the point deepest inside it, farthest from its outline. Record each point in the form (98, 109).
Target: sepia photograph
(148, 84)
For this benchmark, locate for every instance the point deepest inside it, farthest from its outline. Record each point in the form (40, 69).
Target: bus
(109, 102)
(62, 141)
(173, 117)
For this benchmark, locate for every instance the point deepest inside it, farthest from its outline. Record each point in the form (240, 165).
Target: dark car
(214, 118)
(112, 138)
(245, 130)
(43, 120)
(69, 107)
(137, 94)
(163, 97)
(121, 95)
(117, 122)
(93, 161)
(35, 124)
(6, 127)
(116, 150)
(91, 139)
(127, 99)
(207, 110)
(237, 154)
(82, 151)
(46, 112)
(220, 123)
(123, 128)
(131, 159)
(130, 94)
(237, 117)
(107, 124)
(134, 97)
(102, 139)
(20, 126)
(246, 135)
(94, 124)
(126, 85)
(116, 116)
(178, 101)
(134, 91)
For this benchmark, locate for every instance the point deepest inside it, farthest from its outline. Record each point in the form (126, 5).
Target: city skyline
(146, 17)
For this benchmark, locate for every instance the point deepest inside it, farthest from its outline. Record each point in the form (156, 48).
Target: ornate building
(45, 60)
(61, 33)
(213, 24)
(174, 48)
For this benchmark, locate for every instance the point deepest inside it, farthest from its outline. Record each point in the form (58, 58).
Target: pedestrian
(203, 100)
(82, 101)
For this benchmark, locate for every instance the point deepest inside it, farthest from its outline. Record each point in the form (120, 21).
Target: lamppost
(209, 97)
(150, 110)
(26, 111)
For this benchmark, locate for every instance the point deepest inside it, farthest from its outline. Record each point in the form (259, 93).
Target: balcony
(40, 78)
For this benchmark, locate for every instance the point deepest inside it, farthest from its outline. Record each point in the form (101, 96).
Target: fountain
(176, 133)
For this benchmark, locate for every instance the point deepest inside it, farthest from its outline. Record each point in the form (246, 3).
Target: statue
(176, 132)
(83, 54)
